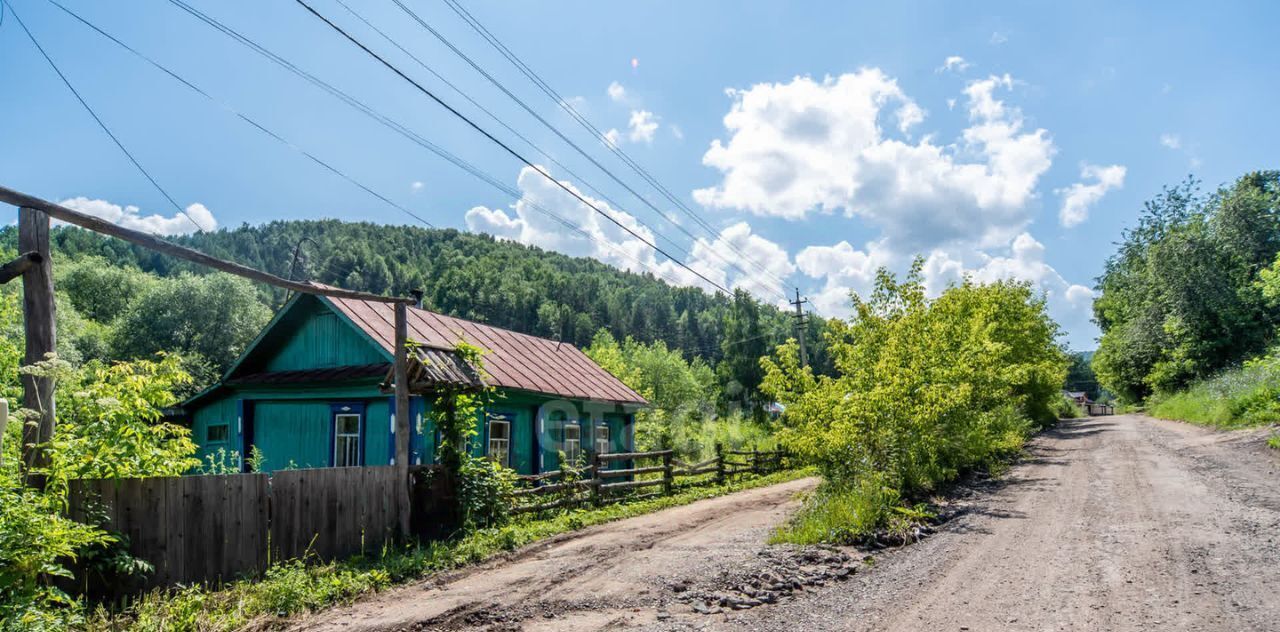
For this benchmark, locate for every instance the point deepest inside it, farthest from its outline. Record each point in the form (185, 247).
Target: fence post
(755, 460)
(667, 477)
(719, 463)
(596, 467)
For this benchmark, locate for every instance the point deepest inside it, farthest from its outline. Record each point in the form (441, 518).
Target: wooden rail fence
(617, 476)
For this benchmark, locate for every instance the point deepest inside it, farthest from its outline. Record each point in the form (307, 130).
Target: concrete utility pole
(799, 316)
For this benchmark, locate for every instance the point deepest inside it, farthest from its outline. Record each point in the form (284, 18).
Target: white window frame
(500, 449)
(346, 444)
(572, 454)
(602, 437)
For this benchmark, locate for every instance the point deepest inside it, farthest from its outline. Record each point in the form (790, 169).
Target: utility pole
(38, 324)
(799, 316)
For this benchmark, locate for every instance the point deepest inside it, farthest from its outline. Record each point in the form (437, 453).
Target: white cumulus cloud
(1078, 198)
(642, 126)
(617, 92)
(1171, 141)
(131, 216)
(954, 63)
(811, 146)
(601, 239)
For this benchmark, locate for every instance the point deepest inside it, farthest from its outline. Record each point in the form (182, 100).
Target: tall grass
(1240, 397)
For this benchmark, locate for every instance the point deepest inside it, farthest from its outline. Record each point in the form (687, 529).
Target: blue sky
(819, 140)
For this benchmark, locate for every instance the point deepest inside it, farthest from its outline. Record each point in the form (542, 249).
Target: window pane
(499, 430)
(217, 433)
(348, 424)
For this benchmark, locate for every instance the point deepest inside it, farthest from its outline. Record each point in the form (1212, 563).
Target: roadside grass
(296, 587)
(1274, 441)
(1237, 398)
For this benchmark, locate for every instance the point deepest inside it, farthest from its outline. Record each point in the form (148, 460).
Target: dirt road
(1113, 523)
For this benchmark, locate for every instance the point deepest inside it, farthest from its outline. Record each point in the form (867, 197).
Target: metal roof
(511, 360)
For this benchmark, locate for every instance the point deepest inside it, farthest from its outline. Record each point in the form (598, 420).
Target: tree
(1179, 300)
(743, 344)
(212, 316)
(923, 389)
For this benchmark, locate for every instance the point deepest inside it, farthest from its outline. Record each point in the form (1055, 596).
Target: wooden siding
(218, 410)
(319, 339)
(292, 434)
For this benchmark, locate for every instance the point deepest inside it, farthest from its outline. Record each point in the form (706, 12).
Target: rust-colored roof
(511, 360)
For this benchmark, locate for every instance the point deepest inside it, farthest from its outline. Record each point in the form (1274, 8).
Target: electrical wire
(525, 106)
(409, 134)
(570, 172)
(239, 114)
(507, 148)
(573, 112)
(102, 124)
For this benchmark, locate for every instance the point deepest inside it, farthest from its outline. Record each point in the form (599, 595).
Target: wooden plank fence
(216, 528)
(655, 473)
(219, 527)
(335, 512)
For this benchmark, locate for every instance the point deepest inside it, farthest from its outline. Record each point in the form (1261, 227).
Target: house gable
(308, 334)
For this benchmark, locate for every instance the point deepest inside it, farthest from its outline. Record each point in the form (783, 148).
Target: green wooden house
(314, 390)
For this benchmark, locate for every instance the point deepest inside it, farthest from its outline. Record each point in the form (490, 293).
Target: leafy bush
(1066, 408)
(924, 390)
(484, 492)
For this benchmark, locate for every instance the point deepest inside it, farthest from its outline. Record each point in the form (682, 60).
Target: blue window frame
(346, 434)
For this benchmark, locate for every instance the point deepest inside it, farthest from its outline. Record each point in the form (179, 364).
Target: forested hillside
(1192, 290)
(463, 274)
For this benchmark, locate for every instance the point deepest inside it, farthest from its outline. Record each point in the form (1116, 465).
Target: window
(572, 443)
(346, 440)
(602, 439)
(217, 433)
(500, 439)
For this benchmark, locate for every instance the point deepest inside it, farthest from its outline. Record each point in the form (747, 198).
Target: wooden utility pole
(800, 331)
(39, 325)
(402, 384)
(403, 431)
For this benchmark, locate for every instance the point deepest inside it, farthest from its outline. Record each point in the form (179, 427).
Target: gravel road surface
(1111, 523)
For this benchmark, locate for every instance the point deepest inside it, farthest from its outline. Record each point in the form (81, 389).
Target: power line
(408, 133)
(527, 108)
(238, 114)
(98, 119)
(517, 155)
(575, 176)
(573, 112)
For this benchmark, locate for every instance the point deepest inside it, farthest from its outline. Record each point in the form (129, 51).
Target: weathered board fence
(1095, 409)
(218, 527)
(603, 481)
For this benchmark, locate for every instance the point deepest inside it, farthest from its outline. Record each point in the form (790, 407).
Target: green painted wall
(320, 340)
(377, 432)
(218, 411)
(292, 433)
